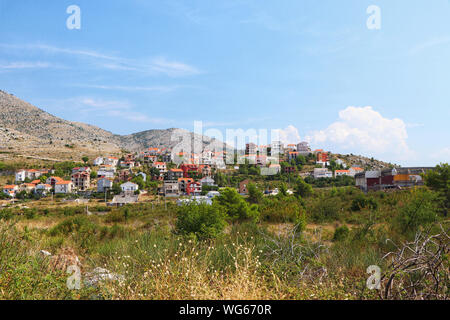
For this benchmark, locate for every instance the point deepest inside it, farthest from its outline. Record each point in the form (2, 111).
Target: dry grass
(189, 275)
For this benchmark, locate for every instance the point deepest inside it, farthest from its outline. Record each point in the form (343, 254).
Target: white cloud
(25, 65)
(100, 104)
(439, 41)
(155, 65)
(172, 68)
(288, 135)
(362, 129)
(134, 88)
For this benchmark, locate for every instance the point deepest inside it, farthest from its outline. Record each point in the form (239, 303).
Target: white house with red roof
(127, 164)
(111, 161)
(81, 180)
(161, 166)
(53, 180)
(64, 186)
(81, 169)
(338, 173)
(22, 174)
(10, 190)
(27, 187)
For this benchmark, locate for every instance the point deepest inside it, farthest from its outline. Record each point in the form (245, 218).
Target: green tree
(254, 194)
(361, 202)
(243, 168)
(420, 211)
(439, 180)
(116, 188)
(85, 159)
(303, 189)
(139, 180)
(235, 206)
(154, 172)
(253, 170)
(282, 189)
(201, 221)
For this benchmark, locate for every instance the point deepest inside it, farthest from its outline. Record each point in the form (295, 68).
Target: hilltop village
(130, 177)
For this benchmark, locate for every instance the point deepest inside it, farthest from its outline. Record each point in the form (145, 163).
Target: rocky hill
(25, 128)
(363, 162)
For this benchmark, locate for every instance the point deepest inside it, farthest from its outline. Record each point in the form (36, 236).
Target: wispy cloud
(439, 41)
(152, 66)
(99, 107)
(132, 88)
(24, 65)
(100, 104)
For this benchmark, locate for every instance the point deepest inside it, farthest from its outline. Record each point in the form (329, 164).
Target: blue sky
(311, 68)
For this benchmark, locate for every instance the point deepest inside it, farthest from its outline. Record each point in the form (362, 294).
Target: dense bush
(326, 209)
(254, 194)
(420, 211)
(303, 189)
(281, 209)
(70, 225)
(361, 202)
(341, 233)
(201, 221)
(6, 214)
(235, 207)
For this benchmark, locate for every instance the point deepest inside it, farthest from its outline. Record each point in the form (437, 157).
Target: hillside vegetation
(315, 246)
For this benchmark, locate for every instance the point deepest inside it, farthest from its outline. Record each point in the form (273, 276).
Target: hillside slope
(25, 128)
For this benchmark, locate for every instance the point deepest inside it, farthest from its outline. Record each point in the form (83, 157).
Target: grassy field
(323, 256)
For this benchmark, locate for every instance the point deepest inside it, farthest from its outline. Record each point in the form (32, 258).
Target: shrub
(420, 211)
(115, 216)
(341, 233)
(361, 202)
(76, 224)
(274, 209)
(6, 214)
(303, 189)
(200, 220)
(235, 206)
(326, 210)
(254, 194)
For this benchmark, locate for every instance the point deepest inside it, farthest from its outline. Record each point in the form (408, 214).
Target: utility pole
(165, 204)
(106, 192)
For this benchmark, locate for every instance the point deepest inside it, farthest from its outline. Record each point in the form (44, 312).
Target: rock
(101, 274)
(45, 253)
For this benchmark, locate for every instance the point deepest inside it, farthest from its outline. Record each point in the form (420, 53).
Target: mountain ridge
(23, 126)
